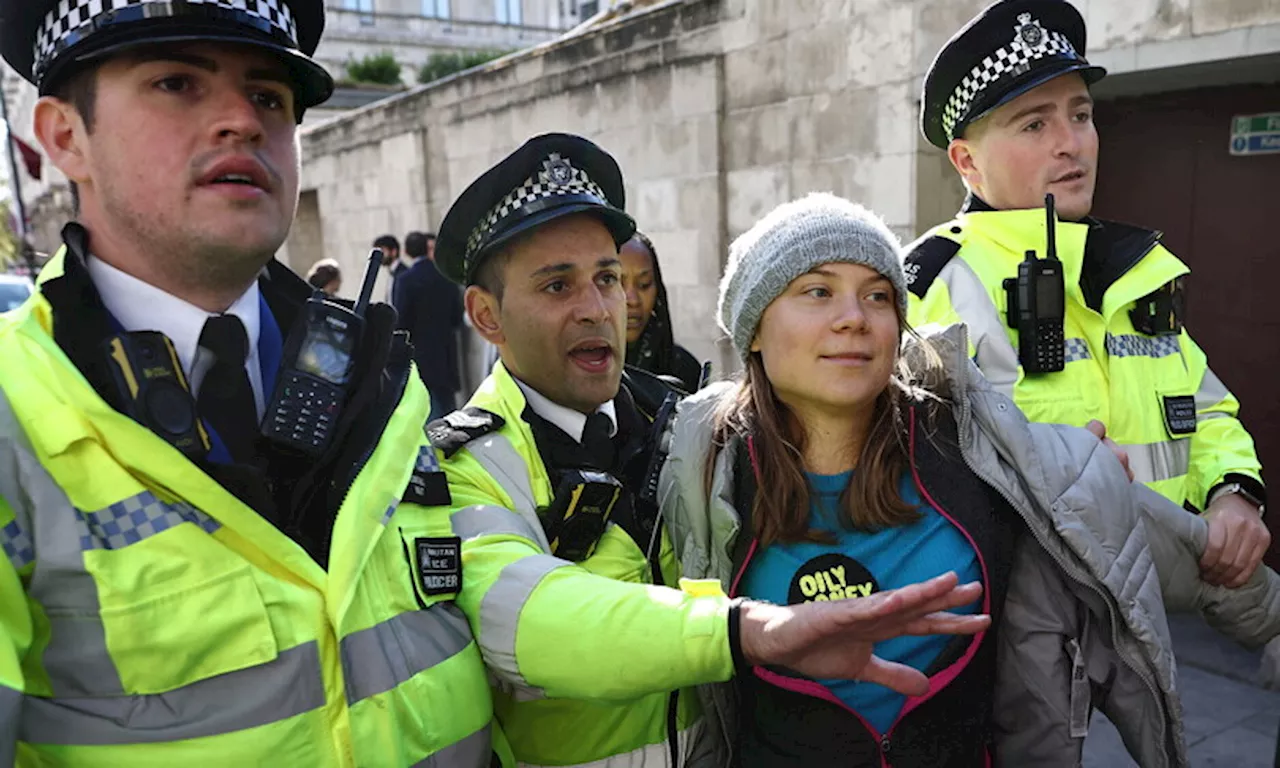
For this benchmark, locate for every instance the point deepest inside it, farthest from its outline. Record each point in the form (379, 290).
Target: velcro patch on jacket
(457, 429)
(1180, 414)
(925, 261)
(428, 484)
(439, 565)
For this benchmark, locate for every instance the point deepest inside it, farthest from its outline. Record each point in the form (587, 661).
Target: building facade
(718, 110)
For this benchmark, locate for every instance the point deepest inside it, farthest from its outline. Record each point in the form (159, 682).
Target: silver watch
(1243, 492)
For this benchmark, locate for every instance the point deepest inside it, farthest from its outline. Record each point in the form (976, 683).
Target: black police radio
(1037, 305)
(316, 369)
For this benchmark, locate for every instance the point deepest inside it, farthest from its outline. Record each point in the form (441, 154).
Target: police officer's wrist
(1245, 487)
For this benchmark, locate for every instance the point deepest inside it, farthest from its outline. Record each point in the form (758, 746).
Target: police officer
(177, 588)
(1008, 99)
(569, 577)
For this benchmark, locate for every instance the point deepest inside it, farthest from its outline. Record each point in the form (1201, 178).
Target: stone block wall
(718, 110)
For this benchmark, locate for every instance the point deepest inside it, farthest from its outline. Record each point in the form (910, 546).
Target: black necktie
(226, 399)
(597, 442)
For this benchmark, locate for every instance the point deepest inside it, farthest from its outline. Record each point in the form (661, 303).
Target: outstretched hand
(835, 639)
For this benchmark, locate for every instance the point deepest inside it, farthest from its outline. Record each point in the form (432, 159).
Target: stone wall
(718, 110)
(648, 90)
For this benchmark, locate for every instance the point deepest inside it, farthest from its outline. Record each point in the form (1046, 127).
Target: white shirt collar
(567, 419)
(140, 306)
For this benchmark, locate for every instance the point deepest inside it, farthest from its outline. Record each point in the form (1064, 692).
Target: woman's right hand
(835, 639)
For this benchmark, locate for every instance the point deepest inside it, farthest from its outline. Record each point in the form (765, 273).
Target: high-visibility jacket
(150, 618)
(585, 655)
(1141, 386)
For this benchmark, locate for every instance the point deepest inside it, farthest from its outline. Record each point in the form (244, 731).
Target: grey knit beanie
(792, 239)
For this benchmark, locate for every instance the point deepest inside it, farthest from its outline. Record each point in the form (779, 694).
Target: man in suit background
(430, 310)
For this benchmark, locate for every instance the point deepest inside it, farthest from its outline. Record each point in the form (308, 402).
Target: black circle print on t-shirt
(831, 577)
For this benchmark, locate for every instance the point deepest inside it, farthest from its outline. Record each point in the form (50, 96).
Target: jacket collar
(1100, 250)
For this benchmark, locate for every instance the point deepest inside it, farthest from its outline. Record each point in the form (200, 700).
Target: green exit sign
(1255, 134)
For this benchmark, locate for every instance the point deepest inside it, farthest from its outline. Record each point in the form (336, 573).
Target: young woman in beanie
(844, 462)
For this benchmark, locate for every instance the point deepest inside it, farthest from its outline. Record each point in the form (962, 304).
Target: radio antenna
(370, 277)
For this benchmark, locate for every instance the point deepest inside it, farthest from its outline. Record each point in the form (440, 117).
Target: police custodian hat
(1008, 49)
(46, 40)
(550, 176)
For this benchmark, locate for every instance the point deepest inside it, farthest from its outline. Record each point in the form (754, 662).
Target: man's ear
(485, 313)
(963, 157)
(61, 132)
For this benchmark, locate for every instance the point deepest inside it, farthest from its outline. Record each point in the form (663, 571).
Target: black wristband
(735, 636)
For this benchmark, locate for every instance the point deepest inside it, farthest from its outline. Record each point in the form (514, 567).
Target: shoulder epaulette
(457, 429)
(925, 260)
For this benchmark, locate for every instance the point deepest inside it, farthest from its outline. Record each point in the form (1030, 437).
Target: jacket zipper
(963, 424)
(673, 702)
(881, 740)
(349, 480)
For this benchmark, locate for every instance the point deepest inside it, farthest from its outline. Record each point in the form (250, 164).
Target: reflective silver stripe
(1131, 345)
(10, 711)
(13, 446)
(993, 352)
(287, 686)
(378, 659)
(652, 755)
(1075, 350)
(501, 460)
(1212, 392)
(474, 751)
(500, 613)
(76, 658)
(1159, 461)
(484, 520)
(17, 545)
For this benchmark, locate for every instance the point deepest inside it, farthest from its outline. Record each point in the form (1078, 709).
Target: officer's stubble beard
(196, 266)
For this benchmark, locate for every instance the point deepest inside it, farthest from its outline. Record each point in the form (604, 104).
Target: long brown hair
(753, 412)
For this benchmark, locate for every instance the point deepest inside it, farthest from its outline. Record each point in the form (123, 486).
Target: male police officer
(169, 594)
(1008, 99)
(563, 561)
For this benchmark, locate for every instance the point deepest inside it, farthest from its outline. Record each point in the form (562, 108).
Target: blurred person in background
(650, 344)
(325, 275)
(430, 309)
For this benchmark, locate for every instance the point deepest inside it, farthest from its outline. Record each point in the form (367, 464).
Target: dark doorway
(1165, 164)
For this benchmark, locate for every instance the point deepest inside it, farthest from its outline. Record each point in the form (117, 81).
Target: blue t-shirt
(859, 564)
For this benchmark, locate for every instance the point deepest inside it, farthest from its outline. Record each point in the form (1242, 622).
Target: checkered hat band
(531, 191)
(71, 21)
(1008, 62)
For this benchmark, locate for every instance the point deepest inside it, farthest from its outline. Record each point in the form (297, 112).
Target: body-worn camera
(579, 513)
(152, 390)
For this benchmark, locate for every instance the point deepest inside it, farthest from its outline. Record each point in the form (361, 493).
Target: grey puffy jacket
(1088, 589)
